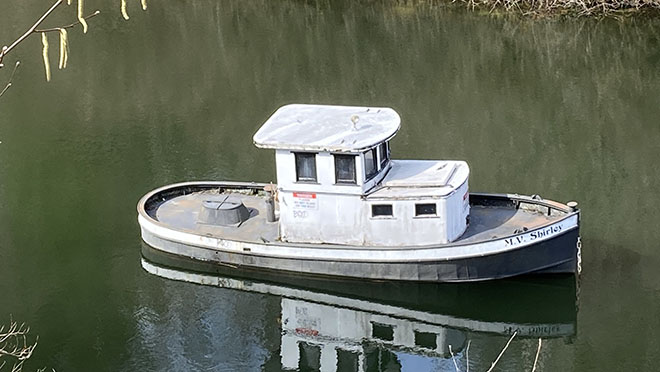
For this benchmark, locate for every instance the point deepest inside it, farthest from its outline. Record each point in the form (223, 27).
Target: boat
(342, 207)
(334, 322)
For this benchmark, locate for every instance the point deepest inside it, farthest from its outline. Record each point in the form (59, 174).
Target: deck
(486, 222)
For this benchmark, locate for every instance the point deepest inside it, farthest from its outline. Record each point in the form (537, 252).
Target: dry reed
(565, 7)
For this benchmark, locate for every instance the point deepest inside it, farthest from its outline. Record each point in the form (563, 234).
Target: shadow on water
(353, 325)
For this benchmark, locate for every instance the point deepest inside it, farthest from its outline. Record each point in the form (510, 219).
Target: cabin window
(384, 154)
(345, 169)
(381, 331)
(381, 210)
(347, 360)
(310, 357)
(426, 340)
(425, 209)
(305, 166)
(370, 163)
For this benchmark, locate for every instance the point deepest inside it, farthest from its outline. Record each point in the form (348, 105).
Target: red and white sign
(306, 195)
(305, 201)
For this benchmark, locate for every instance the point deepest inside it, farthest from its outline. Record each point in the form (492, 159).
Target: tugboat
(342, 207)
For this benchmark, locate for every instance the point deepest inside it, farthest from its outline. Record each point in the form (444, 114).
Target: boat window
(347, 360)
(383, 154)
(381, 331)
(345, 169)
(305, 166)
(425, 209)
(381, 210)
(310, 356)
(370, 163)
(426, 340)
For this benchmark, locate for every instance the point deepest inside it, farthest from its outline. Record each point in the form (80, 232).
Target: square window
(345, 169)
(381, 210)
(305, 166)
(425, 209)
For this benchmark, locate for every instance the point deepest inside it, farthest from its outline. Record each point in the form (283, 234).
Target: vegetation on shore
(548, 8)
(16, 346)
(567, 7)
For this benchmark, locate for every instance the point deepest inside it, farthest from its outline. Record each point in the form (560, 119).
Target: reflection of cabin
(337, 184)
(328, 338)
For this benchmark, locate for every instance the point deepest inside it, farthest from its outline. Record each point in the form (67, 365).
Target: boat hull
(550, 249)
(556, 256)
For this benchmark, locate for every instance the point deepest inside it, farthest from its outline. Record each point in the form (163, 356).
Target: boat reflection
(348, 326)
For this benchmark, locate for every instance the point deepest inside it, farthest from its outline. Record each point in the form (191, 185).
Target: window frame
(422, 205)
(379, 216)
(384, 153)
(301, 155)
(374, 154)
(346, 181)
(382, 331)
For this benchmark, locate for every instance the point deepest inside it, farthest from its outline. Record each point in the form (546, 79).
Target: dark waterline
(565, 109)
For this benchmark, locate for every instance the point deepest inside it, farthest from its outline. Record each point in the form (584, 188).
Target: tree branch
(54, 29)
(27, 33)
(536, 359)
(11, 77)
(502, 352)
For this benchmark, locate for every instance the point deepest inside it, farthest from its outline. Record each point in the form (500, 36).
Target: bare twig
(6, 49)
(580, 8)
(502, 352)
(14, 344)
(27, 33)
(453, 358)
(536, 359)
(74, 24)
(467, 356)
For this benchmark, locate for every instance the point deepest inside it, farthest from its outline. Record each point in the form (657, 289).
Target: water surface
(565, 109)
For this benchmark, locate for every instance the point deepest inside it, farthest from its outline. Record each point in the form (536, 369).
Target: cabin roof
(422, 178)
(327, 128)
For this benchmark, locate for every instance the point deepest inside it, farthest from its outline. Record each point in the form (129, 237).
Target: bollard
(270, 208)
(270, 202)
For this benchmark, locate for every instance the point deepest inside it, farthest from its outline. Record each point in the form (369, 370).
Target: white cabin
(337, 184)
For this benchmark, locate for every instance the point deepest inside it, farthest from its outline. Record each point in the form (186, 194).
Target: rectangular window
(425, 209)
(345, 169)
(381, 331)
(347, 360)
(305, 166)
(310, 356)
(384, 154)
(426, 340)
(370, 164)
(381, 210)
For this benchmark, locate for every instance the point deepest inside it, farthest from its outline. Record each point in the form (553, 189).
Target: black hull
(556, 255)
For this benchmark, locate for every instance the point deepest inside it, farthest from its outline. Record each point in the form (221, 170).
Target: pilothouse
(337, 184)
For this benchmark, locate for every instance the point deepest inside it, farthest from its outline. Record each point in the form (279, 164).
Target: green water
(565, 109)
